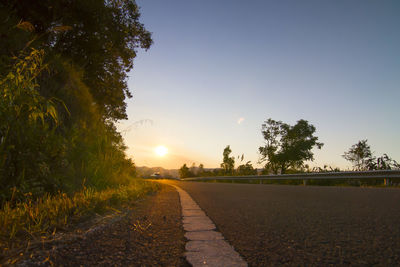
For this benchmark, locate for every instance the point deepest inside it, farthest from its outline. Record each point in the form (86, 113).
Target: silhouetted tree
(193, 170)
(200, 170)
(360, 155)
(217, 172)
(326, 168)
(287, 146)
(228, 163)
(246, 169)
(362, 158)
(184, 171)
(385, 162)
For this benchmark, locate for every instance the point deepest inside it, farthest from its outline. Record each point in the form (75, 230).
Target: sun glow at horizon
(161, 151)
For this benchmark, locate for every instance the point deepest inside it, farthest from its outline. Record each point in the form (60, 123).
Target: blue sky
(333, 63)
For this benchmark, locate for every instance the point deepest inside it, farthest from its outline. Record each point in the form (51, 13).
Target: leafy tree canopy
(362, 158)
(246, 169)
(228, 163)
(287, 146)
(101, 37)
(184, 171)
(63, 70)
(360, 155)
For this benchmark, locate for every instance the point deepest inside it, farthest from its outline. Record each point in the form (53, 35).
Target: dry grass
(34, 219)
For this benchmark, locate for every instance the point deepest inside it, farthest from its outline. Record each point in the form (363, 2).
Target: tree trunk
(283, 169)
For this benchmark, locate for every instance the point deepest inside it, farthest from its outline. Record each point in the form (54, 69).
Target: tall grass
(36, 218)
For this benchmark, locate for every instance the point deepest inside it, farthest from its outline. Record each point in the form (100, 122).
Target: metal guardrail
(384, 174)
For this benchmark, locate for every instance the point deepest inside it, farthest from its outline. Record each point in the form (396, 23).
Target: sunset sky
(218, 69)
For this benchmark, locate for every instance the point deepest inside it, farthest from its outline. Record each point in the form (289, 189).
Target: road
(272, 225)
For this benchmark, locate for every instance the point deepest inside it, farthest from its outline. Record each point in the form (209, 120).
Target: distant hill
(146, 172)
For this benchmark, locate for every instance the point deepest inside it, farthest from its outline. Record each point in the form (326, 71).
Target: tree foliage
(362, 158)
(99, 37)
(359, 155)
(228, 163)
(184, 171)
(200, 170)
(287, 146)
(27, 122)
(246, 169)
(63, 69)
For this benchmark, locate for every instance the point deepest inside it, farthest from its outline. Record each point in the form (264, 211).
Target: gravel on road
(272, 225)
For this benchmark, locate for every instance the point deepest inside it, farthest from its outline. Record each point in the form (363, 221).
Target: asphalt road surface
(272, 225)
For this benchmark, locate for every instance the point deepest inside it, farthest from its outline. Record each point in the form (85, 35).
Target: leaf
(26, 26)
(10, 76)
(63, 28)
(51, 111)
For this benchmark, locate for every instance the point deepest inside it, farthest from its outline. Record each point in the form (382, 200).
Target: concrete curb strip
(206, 247)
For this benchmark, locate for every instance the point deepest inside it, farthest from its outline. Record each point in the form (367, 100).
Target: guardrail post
(304, 182)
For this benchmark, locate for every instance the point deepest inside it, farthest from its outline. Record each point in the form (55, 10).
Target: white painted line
(206, 247)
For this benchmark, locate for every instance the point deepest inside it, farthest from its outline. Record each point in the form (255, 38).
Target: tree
(287, 146)
(246, 169)
(86, 49)
(217, 172)
(385, 162)
(360, 155)
(184, 171)
(99, 37)
(193, 169)
(27, 122)
(362, 158)
(200, 170)
(228, 163)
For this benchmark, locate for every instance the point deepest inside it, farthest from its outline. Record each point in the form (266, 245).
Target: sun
(161, 151)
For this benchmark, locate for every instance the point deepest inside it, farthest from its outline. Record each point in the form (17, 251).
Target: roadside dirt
(148, 234)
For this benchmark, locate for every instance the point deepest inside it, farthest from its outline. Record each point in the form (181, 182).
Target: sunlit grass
(34, 219)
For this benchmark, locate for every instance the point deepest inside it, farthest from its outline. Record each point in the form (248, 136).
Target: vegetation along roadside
(39, 220)
(61, 157)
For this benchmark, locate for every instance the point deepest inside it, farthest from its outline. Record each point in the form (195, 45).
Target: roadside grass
(394, 182)
(35, 219)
